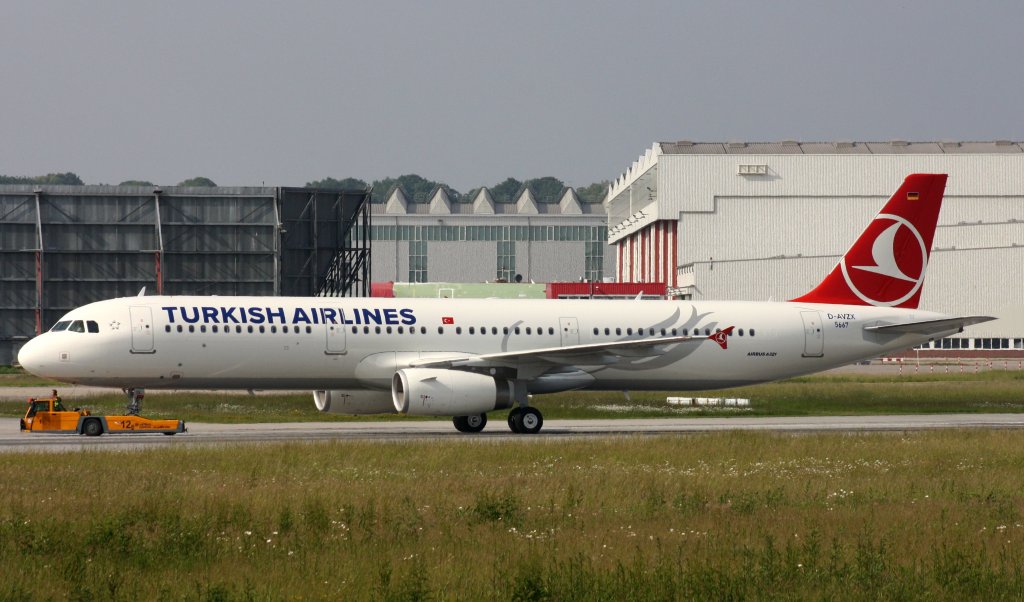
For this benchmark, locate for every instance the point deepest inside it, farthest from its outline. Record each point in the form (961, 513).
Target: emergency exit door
(814, 334)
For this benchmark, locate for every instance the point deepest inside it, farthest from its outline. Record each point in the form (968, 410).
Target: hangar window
(93, 326)
(59, 326)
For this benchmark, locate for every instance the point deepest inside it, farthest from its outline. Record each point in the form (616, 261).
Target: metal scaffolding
(65, 246)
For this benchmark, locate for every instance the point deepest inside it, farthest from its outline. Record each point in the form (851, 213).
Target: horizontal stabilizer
(929, 326)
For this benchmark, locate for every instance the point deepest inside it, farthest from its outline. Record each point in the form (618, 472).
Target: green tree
(68, 178)
(507, 191)
(136, 183)
(546, 190)
(593, 193)
(198, 181)
(343, 184)
(417, 189)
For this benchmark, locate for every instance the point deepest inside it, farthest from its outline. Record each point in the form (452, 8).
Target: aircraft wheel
(530, 421)
(92, 428)
(515, 423)
(470, 424)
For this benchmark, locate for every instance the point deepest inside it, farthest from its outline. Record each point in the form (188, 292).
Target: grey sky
(472, 92)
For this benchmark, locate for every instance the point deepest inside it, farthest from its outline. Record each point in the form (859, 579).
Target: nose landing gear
(135, 396)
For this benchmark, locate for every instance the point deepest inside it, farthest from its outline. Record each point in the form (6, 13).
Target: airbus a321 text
(467, 357)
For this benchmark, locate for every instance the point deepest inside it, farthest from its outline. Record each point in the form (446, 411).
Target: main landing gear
(525, 420)
(522, 421)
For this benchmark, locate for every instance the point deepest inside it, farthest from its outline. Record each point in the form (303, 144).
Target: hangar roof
(686, 147)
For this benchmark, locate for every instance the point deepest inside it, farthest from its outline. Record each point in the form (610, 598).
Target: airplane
(464, 358)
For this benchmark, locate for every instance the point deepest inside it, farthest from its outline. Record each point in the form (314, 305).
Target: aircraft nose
(31, 356)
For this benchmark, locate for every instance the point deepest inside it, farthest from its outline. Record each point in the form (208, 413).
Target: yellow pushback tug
(48, 415)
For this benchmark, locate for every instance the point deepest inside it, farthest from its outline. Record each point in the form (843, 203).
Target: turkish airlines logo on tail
(892, 270)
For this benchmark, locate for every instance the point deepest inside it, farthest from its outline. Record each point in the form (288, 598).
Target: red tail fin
(886, 266)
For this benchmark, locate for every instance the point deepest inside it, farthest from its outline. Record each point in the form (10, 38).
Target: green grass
(991, 391)
(934, 515)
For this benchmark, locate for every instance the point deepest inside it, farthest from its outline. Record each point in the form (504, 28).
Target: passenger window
(77, 326)
(707, 332)
(458, 330)
(355, 330)
(93, 326)
(213, 328)
(741, 332)
(674, 332)
(309, 330)
(202, 328)
(440, 330)
(751, 332)
(388, 330)
(528, 331)
(686, 332)
(472, 330)
(59, 326)
(284, 329)
(191, 328)
(401, 330)
(551, 330)
(376, 329)
(423, 330)
(167, 328)
(517, 330)
(607, 331)
(662, 332)
(273, 329)
(504, 330)
(263, 329)
(238, 330)
(366, 330)
(595, 331)
(494, 330)
(618, 332)
(629, 331)
(180, 329)
(249, 328)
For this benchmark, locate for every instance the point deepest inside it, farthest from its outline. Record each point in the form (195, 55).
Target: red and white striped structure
(649, 254)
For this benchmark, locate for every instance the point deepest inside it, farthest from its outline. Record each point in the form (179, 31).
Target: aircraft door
(335, 339)
(570, 330)
(814, 334)
(142, 329)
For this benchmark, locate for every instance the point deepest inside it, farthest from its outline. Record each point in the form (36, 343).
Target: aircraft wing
(590, 354)
(929, 326)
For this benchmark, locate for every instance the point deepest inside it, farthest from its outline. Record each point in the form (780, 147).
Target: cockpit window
(77, 326)
(93, 326)
(59, 326)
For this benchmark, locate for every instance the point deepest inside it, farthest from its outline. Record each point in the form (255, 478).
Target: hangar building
(763, 221)
(444, 241)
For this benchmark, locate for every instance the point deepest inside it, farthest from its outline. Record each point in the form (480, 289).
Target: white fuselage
(291, 343)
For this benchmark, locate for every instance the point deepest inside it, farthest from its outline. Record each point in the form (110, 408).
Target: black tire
(514, 423)
(530, 421)
(460, 423)
(92, 428)
(475, 423)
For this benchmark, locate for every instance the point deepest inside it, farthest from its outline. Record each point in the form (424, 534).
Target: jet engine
(434, 392)
(344, 401)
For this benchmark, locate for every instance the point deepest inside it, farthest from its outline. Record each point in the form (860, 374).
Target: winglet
(722, 337)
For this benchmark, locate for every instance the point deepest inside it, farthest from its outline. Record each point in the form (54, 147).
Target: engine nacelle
(345, 401)
(433, 392)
